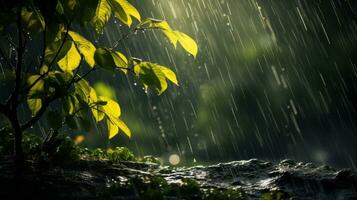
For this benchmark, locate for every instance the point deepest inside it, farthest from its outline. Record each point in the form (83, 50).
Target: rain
(272, 80)
(265, 110)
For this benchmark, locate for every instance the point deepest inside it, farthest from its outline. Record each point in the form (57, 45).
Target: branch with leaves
(65, 54)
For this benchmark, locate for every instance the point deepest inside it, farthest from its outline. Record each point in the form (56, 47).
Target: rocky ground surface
(251, 179)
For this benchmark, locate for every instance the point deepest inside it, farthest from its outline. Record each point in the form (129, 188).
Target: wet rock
(88, 178)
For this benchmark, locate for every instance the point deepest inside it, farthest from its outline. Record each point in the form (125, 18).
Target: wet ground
(254, 178)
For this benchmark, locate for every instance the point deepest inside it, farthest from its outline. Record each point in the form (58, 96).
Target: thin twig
(6, 59)
(11, 42)
(124, 37)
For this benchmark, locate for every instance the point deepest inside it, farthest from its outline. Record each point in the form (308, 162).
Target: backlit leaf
(171, 36)
(33, 102)
(154, 24)
(123, 10)
(71, 60)
(151, 75)
(114, 125)
(102, 15)
(53, 48)
(111, 109)
(34, 105)
(169, 74)
(120, 61)
(187, 43)
(97, 114)
(85, 47)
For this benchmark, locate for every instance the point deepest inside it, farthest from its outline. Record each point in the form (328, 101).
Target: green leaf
(152, 74)
(85, 47)
(95, 108)
(187, 43)
(104, 59)
(114, 125)
(32, 21)
(102, 15)
(34, 105)
(171, 36)
(169, 74)
(36, 90)
(151, 23)
(53, 48)
(87, 10)
(70, 104)
(124, 11)
(71, 60)
(120, 61)
(120, 125)
(82, 91)
(110, 60)
(111, 108)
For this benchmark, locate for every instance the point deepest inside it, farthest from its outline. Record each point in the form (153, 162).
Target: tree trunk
(19, 155)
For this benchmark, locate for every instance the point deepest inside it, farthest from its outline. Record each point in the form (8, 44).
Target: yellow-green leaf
(37, 88)
(123, 10)
(104, 58)
(34, 105)
(151, 75)
(120, 61)
(71, 60)
(169, 74)
(52, 50)
(85, 47)
(102, 15)
(111, 108)
(154, 24)
(32, 20)
(120, 125)
(187, 43)
(113, 130)
(171, 36)
(93, 99)
(70, 104)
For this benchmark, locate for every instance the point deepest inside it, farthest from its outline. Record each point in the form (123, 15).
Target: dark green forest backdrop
(273, 79)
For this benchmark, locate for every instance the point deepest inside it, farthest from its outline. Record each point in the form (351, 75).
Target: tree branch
(51, 63)
(20, 51)
(124, 37)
